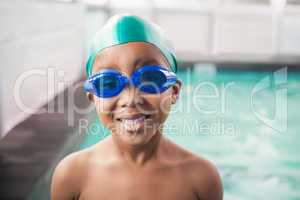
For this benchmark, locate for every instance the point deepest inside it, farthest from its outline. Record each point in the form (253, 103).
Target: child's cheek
(165, 102)
(105, 110)
(104, 106)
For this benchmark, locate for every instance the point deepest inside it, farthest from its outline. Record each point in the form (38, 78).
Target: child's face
(150, 110)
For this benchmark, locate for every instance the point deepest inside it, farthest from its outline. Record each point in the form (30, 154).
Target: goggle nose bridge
(128, 80)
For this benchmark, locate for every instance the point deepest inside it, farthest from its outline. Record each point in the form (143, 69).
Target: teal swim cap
(121, 29)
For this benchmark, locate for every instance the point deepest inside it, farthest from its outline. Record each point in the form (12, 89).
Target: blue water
(255, 143)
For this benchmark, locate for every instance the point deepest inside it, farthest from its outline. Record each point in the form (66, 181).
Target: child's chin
(135, 138)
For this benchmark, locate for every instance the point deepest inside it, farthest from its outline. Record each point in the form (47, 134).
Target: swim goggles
(151, 79)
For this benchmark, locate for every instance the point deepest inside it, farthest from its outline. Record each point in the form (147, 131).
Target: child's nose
(130, 96)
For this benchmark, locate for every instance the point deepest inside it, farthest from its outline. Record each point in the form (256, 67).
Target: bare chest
(158, 185)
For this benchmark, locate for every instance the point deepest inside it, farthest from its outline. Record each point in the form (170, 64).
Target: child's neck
(139, 155)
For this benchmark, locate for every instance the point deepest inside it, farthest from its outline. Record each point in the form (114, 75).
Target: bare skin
(138, 164)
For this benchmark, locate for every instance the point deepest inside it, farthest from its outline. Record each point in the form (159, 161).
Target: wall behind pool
(37, 39)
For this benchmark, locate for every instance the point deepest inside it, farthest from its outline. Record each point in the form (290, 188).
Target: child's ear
(176, 91)
(90, 96)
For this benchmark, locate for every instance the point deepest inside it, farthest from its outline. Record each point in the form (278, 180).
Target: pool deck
(34, 146)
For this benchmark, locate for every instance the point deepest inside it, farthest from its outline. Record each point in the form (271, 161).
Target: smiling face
(133, 116)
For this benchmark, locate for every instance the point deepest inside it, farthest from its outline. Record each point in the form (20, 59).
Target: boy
(132, 82)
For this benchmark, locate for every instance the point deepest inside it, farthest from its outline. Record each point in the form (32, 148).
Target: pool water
(246, 122)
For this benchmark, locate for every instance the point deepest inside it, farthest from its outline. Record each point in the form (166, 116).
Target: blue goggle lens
(107, 85)
(107, 82)
(152, 81)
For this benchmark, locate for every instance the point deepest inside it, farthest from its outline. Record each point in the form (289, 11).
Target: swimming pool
(246, 122)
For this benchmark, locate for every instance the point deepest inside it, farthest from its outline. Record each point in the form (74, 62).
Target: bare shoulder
(67, 176)
(202, 174)
(206, 179)
(70, 174)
